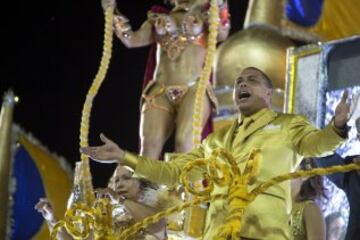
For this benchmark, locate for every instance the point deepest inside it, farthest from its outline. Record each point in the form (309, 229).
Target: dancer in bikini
(180, 38)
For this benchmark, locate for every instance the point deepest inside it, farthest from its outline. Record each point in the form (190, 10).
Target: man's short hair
(268, 81)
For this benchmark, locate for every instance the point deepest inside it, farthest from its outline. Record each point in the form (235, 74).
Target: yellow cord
(205, 74)
(82, 214)
(80, 221)
(86, 112)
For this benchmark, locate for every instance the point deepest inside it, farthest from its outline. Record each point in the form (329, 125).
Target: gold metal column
(6, 117)
(267, 12)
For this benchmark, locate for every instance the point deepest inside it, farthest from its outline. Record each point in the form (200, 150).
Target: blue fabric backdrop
(29, 188)
(304, 12)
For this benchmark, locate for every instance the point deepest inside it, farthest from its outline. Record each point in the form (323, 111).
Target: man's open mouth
(243, 95)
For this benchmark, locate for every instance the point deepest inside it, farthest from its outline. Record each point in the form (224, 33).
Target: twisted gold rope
(70, 215)
(205, 74)
(86, 112)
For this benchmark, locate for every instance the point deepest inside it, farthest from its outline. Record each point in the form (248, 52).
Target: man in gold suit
(284, 139)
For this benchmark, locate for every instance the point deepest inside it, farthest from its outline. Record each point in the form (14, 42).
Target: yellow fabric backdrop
(340, 19)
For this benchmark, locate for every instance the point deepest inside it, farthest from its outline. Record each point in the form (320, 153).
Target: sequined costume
(159, 199)
(123, 220)
(175, 64)
(173, 39)
(297, 223)
(173, 95)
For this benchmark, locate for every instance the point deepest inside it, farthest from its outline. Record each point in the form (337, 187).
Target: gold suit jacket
(284, 139)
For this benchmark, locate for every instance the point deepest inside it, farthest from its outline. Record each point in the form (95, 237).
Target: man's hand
(342, 111)
(110, 152)
(346, 110)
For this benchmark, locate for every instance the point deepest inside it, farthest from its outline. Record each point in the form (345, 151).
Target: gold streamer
(205, 74)
(86, 112)
(88, 216)
(80, 221)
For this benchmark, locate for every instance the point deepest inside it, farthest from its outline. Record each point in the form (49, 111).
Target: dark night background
(51, 54)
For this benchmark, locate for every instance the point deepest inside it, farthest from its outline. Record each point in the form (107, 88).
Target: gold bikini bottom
(174, 94)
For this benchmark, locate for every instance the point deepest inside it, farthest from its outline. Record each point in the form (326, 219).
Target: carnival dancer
(178, 39)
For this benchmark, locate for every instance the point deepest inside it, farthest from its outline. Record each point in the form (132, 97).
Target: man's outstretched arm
(160, 172)
(312, 142)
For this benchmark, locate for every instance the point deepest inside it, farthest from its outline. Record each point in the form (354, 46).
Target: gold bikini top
(172, 38)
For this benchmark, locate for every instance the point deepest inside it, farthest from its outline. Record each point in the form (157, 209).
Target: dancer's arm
(130, 38)
(314, 222)
(123, 29)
